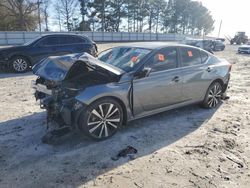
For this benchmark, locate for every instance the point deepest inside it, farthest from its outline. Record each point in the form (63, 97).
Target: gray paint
(159, 91)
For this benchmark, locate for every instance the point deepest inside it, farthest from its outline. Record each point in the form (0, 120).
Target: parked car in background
(221, 39)
(201, 43)
(20, 58)
(98, 96)
(218, 45)
(244, 48)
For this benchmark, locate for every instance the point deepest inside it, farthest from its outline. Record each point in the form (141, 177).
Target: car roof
(61, 34)
(65, 34)
(154, 45)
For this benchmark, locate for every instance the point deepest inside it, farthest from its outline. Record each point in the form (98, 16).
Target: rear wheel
(213, 95)
(19, 64)
(101, 119)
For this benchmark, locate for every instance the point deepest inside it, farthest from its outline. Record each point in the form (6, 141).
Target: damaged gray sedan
(98, 96)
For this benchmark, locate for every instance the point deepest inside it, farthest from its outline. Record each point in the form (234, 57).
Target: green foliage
(187, 17)
(172, 16)
(168, 16)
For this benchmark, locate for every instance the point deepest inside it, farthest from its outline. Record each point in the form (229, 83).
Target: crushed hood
(56, 67)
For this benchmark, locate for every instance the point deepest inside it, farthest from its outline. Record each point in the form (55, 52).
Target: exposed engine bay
(58, 96)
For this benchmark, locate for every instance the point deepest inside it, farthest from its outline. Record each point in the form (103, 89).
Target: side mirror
(143, 73)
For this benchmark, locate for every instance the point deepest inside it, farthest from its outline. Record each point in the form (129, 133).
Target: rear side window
(67, 40)
(204, 56)
(190, 57)
(164, 59)
(213, 60)
(49, 41)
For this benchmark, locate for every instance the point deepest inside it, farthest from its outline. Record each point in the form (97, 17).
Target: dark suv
(21, 58)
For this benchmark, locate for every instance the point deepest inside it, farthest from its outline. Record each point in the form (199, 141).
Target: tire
(213, 96)
(19, 64)
(101, 119)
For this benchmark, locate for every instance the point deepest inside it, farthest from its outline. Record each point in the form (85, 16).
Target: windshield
(125, 58)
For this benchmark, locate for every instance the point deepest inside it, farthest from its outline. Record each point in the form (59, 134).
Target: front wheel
(19, 64)
(213, 95)
(101, 119)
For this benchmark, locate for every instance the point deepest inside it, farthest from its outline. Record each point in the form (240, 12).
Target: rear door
(74, 44)
(162, 87)
(196, 78)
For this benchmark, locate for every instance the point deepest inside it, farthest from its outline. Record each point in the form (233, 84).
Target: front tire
(19, 64)
(213, 96)
(101, 119)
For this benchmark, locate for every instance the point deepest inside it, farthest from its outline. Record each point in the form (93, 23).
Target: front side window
(49, 41)
(190, 57)
(164, 59)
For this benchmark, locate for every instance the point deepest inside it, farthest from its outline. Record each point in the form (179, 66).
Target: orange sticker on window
(161, 57)
(134, 59)
(190, 54)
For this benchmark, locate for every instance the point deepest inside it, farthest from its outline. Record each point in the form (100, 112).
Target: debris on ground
(129, 151)
(52, 136)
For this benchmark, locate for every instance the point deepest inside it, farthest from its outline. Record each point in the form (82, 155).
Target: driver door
(162, 87)
(46, 47)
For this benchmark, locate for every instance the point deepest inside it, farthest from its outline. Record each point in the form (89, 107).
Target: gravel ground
(188, 147)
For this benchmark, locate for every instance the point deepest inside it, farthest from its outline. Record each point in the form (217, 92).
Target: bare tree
(23, 12)
(66, 9)
(58, 15)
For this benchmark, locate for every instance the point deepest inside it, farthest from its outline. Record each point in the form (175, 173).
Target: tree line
(165, 16)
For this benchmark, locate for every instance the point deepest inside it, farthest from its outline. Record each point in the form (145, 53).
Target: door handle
(176, 79)
(209, 69)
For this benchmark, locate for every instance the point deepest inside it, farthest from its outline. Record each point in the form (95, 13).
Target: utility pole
(220, 29)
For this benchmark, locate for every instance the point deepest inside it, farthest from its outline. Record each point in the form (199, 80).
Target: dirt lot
(188, 147)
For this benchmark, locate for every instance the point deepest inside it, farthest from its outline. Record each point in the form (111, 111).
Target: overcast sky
(233, 13)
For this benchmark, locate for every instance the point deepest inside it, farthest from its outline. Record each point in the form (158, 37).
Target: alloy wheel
(104, 120)
(20, 65)
(214, 95)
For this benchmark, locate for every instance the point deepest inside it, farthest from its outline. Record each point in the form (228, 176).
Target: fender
(120, 91)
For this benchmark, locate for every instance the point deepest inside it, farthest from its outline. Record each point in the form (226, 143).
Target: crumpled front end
(61, 107)
(62, 79)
